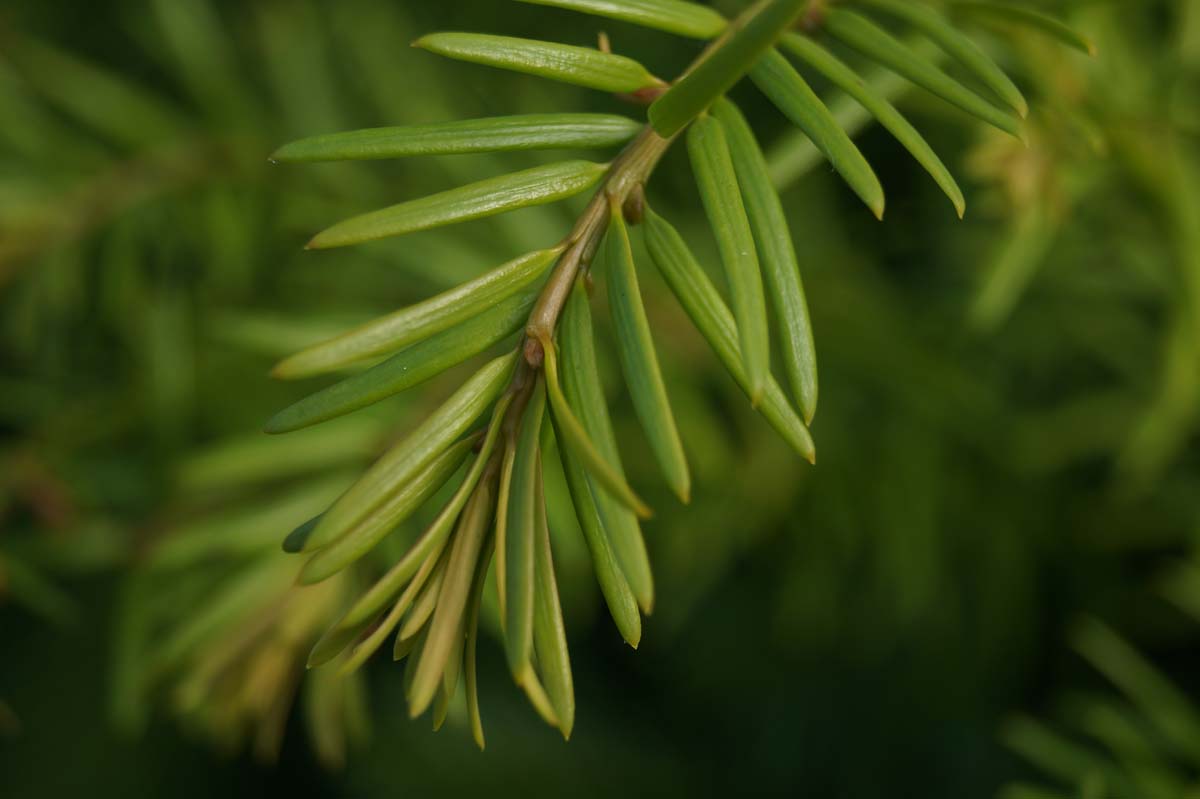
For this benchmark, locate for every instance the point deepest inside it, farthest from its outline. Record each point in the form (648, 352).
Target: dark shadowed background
(1002, 525)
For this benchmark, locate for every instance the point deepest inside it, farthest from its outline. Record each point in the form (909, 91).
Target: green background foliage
(1007, 436)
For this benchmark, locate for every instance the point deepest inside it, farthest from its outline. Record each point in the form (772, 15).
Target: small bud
(813, 18)
(534, 354)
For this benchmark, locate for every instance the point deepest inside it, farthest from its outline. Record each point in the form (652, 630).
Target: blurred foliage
(1008, 434)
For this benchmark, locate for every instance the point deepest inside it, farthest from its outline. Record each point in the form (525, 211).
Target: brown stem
(628, 173)
(623, 188)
